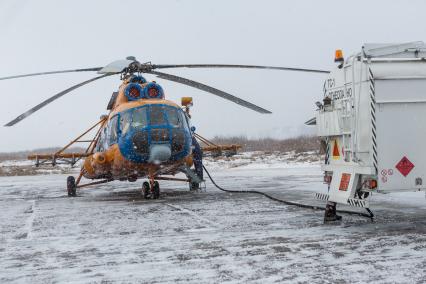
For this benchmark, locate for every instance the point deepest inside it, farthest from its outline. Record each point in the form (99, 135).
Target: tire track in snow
(195, 215)
(231, 253)
(29, 223)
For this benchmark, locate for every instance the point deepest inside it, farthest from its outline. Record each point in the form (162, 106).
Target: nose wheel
(156, 190)
(151, 190)
(146, 190)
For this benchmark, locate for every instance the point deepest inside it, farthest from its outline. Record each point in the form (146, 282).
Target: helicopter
(144, 135)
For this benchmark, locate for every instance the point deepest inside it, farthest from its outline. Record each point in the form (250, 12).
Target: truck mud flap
(322, 196)
(358, 203)
(350, 201)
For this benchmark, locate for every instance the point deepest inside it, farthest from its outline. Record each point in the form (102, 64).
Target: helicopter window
(125, 119)
(173, 117)
(101, 142)
(157, 115)
(140, 118)
(113, 130)
(185, 120)
(178, 140)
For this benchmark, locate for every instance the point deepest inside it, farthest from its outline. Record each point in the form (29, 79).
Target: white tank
(373, 122)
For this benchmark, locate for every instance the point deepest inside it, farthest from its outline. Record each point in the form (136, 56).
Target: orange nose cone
(338, 57)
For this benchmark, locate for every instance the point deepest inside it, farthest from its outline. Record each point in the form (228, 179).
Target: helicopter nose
(140, 142)
(159, 153)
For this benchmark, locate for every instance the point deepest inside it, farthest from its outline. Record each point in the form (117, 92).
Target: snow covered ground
(27, 168)
(110, 234)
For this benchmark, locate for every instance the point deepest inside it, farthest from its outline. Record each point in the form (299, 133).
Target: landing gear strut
(71, 186)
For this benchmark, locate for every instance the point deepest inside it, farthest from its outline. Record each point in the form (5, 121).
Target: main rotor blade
(209, 89)
(116, 66)
(53, 98)
(163, 66)
(52, 72)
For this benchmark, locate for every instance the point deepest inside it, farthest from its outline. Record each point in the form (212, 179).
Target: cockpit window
(157, 115)
(173, 117)
(140, 118)
(100, 146)
(185, 120)
(125, 119)
(113, 130)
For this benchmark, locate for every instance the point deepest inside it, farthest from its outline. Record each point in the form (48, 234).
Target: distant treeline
(22, 155)
(298, 144)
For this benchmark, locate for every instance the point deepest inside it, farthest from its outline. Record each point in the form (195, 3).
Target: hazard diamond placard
(404, 166)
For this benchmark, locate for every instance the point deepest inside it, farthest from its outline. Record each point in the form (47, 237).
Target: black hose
(314, 207)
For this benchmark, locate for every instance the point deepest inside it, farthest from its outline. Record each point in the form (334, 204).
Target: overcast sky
(51, 35)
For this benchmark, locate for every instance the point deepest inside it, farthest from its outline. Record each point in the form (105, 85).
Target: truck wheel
(71, 187)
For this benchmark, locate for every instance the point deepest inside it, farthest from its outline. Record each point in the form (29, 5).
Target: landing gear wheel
(156, 190)
(194, 186)
(146, 190)
(71, 187)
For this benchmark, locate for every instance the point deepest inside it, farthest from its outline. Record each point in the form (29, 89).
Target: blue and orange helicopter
(144, 135)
